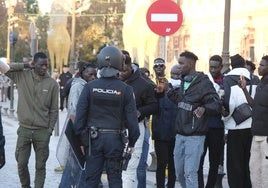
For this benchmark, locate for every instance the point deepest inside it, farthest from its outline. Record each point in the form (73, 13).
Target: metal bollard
(57, 128)
(11, 110)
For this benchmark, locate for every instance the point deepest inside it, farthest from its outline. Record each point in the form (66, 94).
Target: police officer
(63, 79)
(104, 106)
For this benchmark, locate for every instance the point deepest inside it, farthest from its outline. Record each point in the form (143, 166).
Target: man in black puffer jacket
(146, 104)
(196, 99)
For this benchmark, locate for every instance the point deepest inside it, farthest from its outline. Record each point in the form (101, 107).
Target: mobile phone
(241, 76)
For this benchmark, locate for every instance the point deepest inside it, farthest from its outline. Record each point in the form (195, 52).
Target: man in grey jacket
(37, 114)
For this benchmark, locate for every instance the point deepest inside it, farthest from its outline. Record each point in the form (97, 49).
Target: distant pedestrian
(37, 114)
(5, 84)
(251, 68)
(63, 78)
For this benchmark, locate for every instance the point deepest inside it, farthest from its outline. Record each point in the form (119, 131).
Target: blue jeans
(187, 154)
(141, 170)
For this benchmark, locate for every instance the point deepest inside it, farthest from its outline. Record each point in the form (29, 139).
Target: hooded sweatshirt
(234, 96)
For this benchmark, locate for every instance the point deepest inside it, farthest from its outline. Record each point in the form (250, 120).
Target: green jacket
(38, 97)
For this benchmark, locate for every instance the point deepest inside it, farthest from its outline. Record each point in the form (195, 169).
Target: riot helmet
(111, 56)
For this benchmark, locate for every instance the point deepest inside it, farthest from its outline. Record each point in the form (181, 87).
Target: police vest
(106, 105)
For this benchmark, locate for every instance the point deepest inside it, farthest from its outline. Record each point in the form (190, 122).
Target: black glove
(2, 157)
(84, 137)
(224, 112)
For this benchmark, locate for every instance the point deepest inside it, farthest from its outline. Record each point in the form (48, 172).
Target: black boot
(219, 181)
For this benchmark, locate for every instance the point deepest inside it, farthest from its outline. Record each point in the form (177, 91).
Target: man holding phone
(239, 135)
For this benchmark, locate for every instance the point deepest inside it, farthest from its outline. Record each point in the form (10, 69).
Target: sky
(45, 5)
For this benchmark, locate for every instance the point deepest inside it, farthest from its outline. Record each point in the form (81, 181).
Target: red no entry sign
(164, 17)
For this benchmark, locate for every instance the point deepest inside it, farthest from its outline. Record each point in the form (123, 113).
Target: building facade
(202, 32)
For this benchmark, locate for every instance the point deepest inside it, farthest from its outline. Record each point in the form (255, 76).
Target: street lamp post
(33, 37)
(72, 54)
(245, 43)
(10, 4)
(226, 36)
(74, 10)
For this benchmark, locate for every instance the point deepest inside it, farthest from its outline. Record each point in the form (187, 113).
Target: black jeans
(62, 98)
(214, 142)
(238, 154)
(164, 153)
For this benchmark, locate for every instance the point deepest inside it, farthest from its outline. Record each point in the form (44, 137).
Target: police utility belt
(94, 132)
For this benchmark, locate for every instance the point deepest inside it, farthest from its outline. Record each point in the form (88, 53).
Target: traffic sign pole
(164, 47)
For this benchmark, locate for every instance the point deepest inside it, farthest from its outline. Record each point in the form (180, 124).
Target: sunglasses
(159, 66)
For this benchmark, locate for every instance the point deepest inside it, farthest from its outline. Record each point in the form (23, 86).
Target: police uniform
(104, 106)
(64, 77)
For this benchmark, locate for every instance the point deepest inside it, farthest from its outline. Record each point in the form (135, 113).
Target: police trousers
(106, 149)
(39, 138)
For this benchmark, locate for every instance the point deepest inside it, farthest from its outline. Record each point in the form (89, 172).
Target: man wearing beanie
(239, 135)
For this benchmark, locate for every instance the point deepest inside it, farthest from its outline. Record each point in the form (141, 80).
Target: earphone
(188, 78)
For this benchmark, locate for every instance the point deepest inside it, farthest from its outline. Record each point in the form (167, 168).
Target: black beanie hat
(237, 61)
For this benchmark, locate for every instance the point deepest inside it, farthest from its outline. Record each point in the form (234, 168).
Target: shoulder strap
(250, 87)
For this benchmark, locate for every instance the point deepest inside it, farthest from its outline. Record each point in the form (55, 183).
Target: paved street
(8, 174)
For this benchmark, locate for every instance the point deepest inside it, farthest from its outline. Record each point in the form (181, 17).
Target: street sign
(164, 17)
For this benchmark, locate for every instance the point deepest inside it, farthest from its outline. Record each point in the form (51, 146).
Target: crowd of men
(110, 107)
